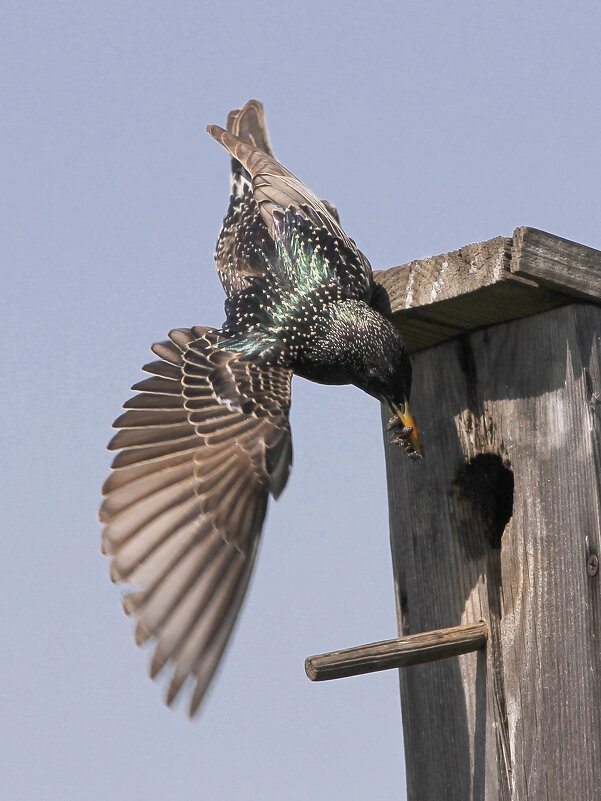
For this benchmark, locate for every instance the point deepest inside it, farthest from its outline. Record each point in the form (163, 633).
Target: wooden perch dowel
(427, 646)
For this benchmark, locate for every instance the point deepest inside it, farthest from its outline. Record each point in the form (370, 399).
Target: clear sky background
(430, 125)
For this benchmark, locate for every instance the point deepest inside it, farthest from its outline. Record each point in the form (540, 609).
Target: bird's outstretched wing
(260, 187)
(201, 446)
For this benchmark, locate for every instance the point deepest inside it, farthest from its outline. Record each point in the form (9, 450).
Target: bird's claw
(400, 436)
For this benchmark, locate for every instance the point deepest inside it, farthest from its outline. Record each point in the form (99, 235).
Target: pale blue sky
(429, 125)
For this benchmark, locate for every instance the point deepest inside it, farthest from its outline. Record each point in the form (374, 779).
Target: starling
(206, 439)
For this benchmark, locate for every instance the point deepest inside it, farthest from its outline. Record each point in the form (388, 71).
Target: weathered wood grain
(432, 300)
(415, 649)
(558, 263)
(450, 275)
(497, 524)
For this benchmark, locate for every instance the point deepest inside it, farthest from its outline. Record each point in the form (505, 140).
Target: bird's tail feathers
(248, 124)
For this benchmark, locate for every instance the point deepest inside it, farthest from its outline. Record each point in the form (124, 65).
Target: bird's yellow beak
(403, 412)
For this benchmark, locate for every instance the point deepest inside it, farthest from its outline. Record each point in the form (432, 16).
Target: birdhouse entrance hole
(482, 497)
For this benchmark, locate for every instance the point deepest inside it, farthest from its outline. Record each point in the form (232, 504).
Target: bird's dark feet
(400, 435)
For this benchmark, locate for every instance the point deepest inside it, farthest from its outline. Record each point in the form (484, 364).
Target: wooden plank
(509, 419)
(433, 300)
(559, 263)
(459, 272)
(415, 649)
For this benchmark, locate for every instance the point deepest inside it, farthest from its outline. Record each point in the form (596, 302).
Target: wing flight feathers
(185, 503)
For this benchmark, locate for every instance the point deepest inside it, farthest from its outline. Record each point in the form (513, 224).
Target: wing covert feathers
(201, 446)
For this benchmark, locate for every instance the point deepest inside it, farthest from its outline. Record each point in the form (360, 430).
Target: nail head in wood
(426, 646)
(592, 565)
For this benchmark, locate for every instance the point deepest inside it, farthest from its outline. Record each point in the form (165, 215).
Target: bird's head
(376, 360)
(388, 378)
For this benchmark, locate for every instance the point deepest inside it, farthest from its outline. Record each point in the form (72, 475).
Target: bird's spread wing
(260, 187)
(201, 445)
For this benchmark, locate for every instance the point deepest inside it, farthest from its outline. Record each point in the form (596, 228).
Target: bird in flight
(206, 438)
